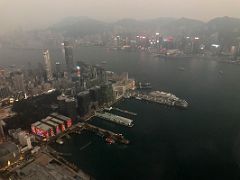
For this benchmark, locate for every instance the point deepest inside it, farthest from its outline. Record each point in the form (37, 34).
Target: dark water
(202, 142)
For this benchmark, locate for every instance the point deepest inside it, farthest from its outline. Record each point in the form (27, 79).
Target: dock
(115, 118)
(125, 111)
(118, 138)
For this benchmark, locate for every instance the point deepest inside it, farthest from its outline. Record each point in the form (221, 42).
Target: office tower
(68, 49)
(83, 101)
(4, 92)
(58, 69)
(18, 81)
(67, 106)
(48, 66)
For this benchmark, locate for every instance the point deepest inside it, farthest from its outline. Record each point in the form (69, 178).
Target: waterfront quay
(118, 138)
(45, 165)
(125, 111)
(114, 118)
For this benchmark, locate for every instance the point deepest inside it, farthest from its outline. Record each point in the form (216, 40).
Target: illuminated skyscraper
(68, 48)
(48, 65)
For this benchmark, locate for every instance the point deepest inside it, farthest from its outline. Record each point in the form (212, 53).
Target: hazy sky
(39, 13)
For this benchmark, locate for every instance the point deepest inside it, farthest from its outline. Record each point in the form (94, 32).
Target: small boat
(108, 109)
(109, 140)
(221, 72)
(138, 98)
(181, 68)
(131, 125)
(59, 141)
(85, 146)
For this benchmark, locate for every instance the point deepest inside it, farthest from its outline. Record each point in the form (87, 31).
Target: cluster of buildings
(12, 151)
(194, 45)
(9, 153)
(16, 84)
(121, 83)
(80, 90)
(19, 141)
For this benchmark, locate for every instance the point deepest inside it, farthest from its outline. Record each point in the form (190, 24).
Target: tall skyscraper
(68, 48)
(58, 69)
(48, 65)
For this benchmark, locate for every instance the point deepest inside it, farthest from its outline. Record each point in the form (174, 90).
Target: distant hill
(227, 28)
(223, 30)
(85, 25)
(79, 26)
(185, 26)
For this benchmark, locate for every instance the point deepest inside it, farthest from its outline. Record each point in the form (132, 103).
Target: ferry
(138, 98)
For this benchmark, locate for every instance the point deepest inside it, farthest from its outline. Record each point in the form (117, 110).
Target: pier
(125, 111)
(119, 138)
(116, 119)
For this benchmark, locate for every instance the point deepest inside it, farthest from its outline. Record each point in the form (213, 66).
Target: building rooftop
(48, 121)
(36, 123)
(57, 121)
(46, 167)
(44, 127)
(7, 148)
(61, 117)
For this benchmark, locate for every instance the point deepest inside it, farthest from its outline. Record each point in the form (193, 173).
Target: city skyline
(119, 89)
(31, 14)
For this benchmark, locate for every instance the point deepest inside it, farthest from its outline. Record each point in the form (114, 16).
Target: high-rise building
(4, 92)
(68, 49)
(2, 136)
(58, 69)
(83, 101)
(18, 81)
(48, 65)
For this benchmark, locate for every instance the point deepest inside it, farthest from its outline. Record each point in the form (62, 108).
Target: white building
(48, 65)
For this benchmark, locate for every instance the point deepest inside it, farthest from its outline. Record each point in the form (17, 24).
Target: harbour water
(201, 142)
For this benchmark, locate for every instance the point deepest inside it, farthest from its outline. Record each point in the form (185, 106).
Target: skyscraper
(48, 65)
(68, 48)
(18, 81)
